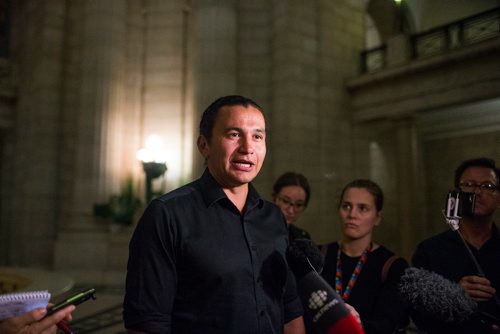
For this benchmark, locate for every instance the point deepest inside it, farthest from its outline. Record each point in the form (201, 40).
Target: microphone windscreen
(434, 296)
(301, 254)
(346, 325)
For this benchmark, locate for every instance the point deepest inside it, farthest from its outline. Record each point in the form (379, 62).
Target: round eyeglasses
(471, 187)
(297, 206)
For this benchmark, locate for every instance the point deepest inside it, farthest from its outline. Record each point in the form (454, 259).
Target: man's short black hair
(477, 162)
(210, 114)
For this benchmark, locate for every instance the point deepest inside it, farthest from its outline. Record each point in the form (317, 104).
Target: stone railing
(437, 41)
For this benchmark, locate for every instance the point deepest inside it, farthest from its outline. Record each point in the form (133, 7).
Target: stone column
(165, 112)
(31, 157)
(315, 48)
(97, 160)
(214, 54)
(398, 50)
(408, 186)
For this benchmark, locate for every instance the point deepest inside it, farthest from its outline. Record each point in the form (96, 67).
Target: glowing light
(154, 150)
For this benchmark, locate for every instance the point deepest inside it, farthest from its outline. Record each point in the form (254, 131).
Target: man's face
(237, 149)
(487, 200)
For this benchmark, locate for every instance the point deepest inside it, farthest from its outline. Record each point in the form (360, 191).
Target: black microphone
(303, 256)
(323, 306)
(437, 298)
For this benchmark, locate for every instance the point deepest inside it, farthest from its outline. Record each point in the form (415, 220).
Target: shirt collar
(212, 192)
(495, 235)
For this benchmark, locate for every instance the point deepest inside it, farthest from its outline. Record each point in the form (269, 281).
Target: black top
(446, 255)
(197, 265)
(295, 232)
(377, 302)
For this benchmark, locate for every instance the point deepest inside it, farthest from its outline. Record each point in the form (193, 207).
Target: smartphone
(76, 299)
(460, 204)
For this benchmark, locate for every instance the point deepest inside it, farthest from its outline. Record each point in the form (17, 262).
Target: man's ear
(379, 218)
(202, 144)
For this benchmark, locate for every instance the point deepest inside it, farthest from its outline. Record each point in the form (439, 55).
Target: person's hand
(477, 287)
(34, 322)
(354, 313)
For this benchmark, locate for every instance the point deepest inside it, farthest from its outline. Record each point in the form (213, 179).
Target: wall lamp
(153, 162)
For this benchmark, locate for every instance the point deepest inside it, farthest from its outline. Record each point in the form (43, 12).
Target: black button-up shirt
(446, 255)
(198, 265)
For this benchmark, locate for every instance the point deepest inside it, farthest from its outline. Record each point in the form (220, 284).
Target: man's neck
(475, 231)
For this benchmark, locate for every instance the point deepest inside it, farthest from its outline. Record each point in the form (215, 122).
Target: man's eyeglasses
(470, 187)
(297, 206)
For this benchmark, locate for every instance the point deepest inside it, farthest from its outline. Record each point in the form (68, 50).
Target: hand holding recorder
(36, 321)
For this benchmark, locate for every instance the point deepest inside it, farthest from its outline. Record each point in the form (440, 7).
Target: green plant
(120, 208)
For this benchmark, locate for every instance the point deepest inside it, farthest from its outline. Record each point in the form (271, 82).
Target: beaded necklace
(354, 276)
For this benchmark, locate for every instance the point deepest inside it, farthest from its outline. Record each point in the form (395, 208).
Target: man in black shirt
(446, 254)
(209, 257)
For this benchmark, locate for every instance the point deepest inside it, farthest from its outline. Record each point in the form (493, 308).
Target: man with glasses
(447, 255)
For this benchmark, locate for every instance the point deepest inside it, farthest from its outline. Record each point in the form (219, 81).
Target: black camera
(459, 204)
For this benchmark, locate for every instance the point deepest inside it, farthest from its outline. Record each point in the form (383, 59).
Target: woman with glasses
(291, 194)
(365, 274)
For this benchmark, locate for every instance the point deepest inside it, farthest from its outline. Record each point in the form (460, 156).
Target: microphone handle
(325, 307)
(478, 267)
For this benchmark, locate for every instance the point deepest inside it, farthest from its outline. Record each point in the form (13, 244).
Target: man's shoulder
(438, 238)
(186, 193)
(431, 252)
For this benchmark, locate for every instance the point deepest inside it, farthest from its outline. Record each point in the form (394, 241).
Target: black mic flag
(323, 306)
